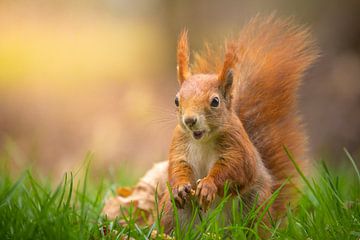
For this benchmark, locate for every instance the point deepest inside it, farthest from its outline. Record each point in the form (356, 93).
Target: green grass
(33, 209)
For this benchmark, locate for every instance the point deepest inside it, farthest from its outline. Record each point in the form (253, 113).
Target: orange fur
(183, 57)
(230, 59)
(245, 139)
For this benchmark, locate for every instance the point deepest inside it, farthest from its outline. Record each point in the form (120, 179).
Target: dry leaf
(141, 197)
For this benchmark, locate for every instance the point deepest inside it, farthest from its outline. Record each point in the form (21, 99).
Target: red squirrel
(236, 111)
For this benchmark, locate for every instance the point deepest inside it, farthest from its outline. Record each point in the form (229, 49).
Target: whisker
(162, 116)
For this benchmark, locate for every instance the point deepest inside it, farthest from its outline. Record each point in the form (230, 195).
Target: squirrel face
(203, 104)
(204, 100)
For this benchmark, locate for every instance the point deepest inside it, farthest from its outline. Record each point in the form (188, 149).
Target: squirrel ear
(227, 83)
(183, 57)
(226, 76)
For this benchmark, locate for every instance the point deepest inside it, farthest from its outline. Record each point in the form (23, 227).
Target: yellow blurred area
(74, 47)
(75, 78)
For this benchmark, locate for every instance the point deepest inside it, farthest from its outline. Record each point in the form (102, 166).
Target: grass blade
(353, 163)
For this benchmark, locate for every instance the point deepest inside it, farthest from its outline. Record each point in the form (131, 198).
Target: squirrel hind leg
(166, 213)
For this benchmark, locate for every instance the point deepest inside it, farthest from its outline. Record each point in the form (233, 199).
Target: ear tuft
(231, 58)
(183, 57)
(226, 76)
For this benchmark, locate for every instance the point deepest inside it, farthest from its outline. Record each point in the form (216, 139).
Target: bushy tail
(273, 56)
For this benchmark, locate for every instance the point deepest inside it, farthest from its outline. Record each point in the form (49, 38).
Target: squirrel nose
(190, 121)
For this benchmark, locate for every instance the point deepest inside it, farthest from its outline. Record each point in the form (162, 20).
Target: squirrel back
(268, 59)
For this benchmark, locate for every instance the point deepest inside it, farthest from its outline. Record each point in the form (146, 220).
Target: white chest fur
(201, 157)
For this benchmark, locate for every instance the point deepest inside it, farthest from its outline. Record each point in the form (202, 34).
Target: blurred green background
(101, 76)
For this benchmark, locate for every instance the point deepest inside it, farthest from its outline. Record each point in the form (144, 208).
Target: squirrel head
(204, 100)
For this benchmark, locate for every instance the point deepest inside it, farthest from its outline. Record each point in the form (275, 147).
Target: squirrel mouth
(198, 134)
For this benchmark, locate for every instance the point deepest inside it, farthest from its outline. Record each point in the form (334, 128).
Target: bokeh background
(100, 76)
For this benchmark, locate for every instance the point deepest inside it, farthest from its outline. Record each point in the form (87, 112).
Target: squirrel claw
(180, 194)
(206, 191)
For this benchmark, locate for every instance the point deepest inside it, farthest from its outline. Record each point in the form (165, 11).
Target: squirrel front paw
(206, 191)
(181, 194)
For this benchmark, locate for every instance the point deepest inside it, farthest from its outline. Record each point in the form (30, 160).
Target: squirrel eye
(177, 101)
(215, 102)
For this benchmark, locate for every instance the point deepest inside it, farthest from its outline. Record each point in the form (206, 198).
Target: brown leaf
(142, 196)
